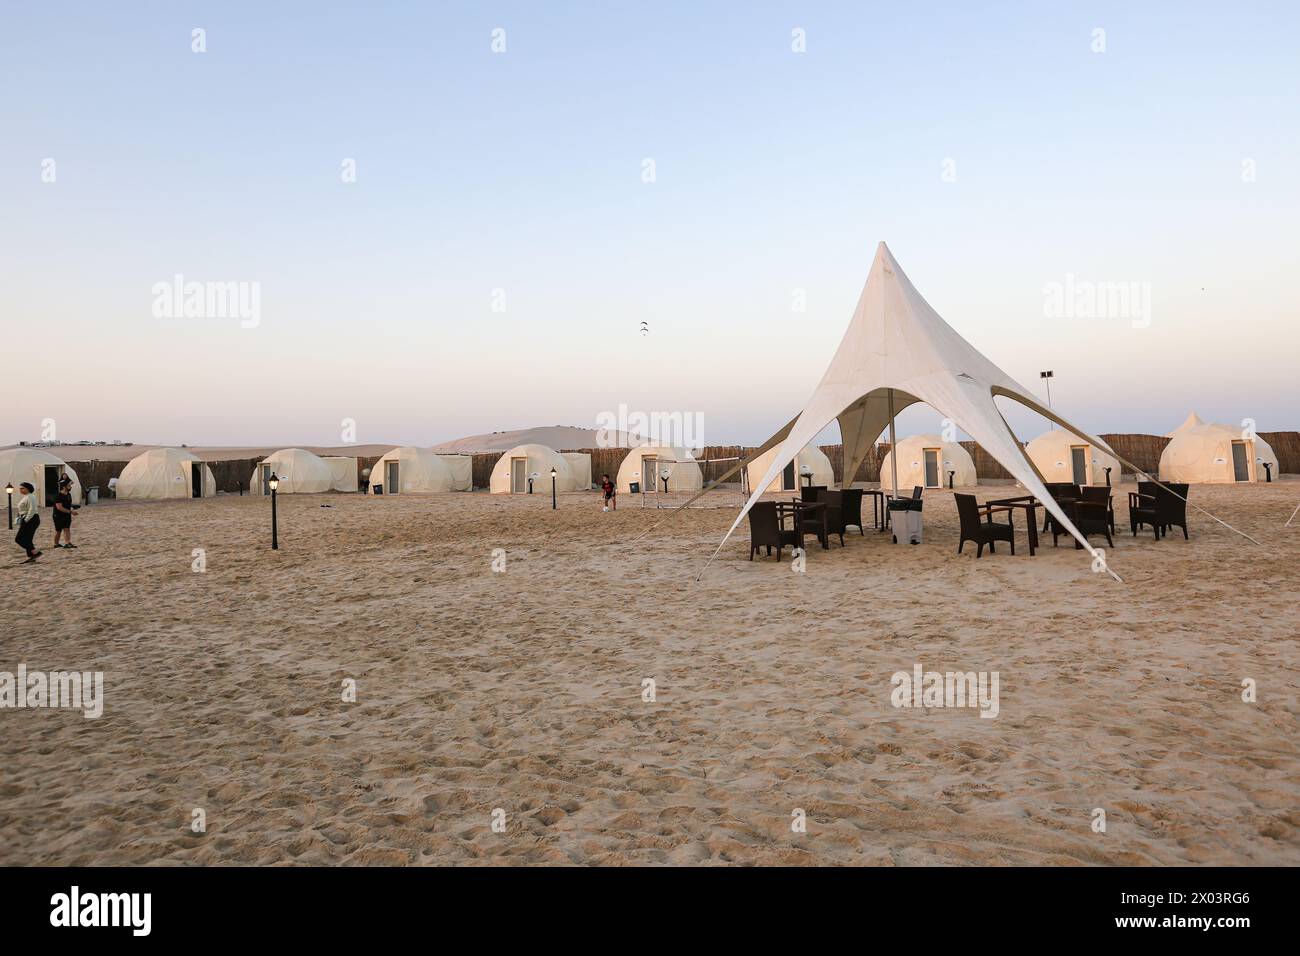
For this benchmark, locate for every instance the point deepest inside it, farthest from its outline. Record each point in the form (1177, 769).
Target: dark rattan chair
(1101, 494)
(982, 532)
(834, 501)
(765, 530)
(1161, 509)
(851, 508)
(809, 492)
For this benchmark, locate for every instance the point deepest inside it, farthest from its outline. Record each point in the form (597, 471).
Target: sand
(522, 691)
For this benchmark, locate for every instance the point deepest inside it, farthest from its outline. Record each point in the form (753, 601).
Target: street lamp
(552, 489)
(274, 483)
(806, 473)
(9, 496)
(664, 475)
(1047, 377)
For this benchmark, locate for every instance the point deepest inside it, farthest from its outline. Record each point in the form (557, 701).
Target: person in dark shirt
(611, 495)
(64, 510)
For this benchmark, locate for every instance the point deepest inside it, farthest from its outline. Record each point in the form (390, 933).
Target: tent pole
(893, 446)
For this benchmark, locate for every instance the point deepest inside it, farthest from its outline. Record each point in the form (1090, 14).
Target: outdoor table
(879, 508)
(804, 510)
(1030, 504)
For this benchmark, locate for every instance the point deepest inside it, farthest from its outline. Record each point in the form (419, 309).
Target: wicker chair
(982, 532)
(765, 530)
(1102, 495)
(1061, 491)
(834, 513)
(809, 492)
(851, 507)
(1089, 517)
(1160, 508)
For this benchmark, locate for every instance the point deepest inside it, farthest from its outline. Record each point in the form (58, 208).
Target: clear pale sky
(522, 171)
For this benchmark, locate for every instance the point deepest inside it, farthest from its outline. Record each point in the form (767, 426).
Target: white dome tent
(646, 464)
(809, 467)
(925, 460)
(299, 471)
(1191, 421)
(513, 469)
(42, 469)
(163, 473)
(1216, 454)
(411, 471)
(1063, 457)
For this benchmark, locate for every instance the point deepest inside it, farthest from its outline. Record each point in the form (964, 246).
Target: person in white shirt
(29, 519)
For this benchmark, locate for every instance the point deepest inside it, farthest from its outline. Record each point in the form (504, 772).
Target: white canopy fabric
(899, 351)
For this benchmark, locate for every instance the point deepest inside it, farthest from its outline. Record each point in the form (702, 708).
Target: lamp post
(806, 474)
(552, 489)
(9, 496)
(274, 482)
(950, 474)
(1047, 377)
(664, 475)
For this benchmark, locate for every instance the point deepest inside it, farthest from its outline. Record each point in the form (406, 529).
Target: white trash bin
(907, 526)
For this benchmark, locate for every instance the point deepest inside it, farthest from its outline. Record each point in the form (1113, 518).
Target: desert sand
(522, 690)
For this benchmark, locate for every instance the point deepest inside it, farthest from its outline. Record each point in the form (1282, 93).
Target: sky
(533, 182)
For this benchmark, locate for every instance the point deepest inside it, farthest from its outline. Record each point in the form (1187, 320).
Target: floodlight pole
(1047, 377)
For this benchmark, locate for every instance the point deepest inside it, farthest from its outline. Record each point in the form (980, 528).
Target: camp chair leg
(1013, 546)
(960, 545)
(979, 552)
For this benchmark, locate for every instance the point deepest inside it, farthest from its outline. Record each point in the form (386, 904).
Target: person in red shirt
(611, 494)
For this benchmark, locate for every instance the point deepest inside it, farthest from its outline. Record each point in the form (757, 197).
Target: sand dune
(522, 691)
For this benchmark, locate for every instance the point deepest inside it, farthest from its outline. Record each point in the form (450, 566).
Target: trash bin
(905, 518)
(634, 488)
(377, 489)
(92, 495)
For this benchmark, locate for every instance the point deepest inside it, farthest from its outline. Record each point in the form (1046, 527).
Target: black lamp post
(274, 483)
(950, 474)
(1047, 377)
(9, 495)
(1108, 468)
(664, 475)
(1268, 471)
(552, 489)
